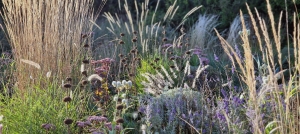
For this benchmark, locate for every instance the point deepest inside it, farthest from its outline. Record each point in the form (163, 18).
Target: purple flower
(118, 127)
(108, 125)
(166, 45)
(97, 119)
(216, 58)
(46, 126)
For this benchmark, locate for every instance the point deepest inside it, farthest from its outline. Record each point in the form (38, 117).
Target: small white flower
(1, 117)
(124, 82)
(135, 115)
(116, 98)
(129, 83)
(144, 127)
(114, 84)
(99, 109)
(125, 101)
(48, 74)
(123, 95)
(119, 84)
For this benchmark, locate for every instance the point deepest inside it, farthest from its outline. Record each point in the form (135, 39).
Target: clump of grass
(281, 119)
(47, 33)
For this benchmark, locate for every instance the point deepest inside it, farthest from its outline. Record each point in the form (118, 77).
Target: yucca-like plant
(283, 101)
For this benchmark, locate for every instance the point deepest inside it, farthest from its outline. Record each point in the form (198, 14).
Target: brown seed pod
(85, 61)
(165, 39)
(134, 40)
(122, 34)
(84, 82)
(121, 42)
(69, 79)
(120, 106)
(121, 55)
(132, 51)
(86, 45)
(172, 66)
(135, 32)
(84, 73)
(68, 121)
(120, 120)
(67, 99)
(67, 85)
(188, 52)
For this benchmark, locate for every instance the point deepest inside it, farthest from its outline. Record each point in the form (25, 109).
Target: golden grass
(285, 120)
(46, 33)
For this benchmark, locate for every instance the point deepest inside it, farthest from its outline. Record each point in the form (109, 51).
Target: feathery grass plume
(94, 77)
(167, 75)
(46, 32)
(201, 33)
(36, 65)
(198, 72)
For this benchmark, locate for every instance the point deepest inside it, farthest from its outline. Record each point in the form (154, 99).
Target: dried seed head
(120, 106)
(188, 52)
(84, 82)
(187, 44)
(135, 32)
(120, 120)
(121, 55)
(84, 73)
(69, 79)
(122, 34)
(85, 61)
(119, 100)
(86, 45)
(68, 121)
(123, 60)
(165, 39)
(67, 85)
(121, 42)
(157, 59)
(172, 66)
(172, 58)
(134, 40)
(67, 99)
(132, 51)
(158, 68)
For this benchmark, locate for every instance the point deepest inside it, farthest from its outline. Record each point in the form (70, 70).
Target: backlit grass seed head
(67, 99)
(94, 77)
(68, 121)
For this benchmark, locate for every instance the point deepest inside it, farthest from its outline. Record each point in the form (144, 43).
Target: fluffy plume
(36, 65)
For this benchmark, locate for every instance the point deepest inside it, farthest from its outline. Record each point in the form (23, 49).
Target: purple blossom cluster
(97, 125)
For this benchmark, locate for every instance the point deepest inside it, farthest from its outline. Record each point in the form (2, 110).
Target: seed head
(84, 82)
(165, 39)
(67, 99)
(122, 34)
(120, 120)
(68, 121)
(85, 61)
(121, 55)
(120, 106)
(135, 32)
(188, 52)
(67, 85)
(86, 45)
(134, 40)
(121, 42)
(69, 79)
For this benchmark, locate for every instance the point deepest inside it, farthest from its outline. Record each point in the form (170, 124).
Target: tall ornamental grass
(264, 77)
(46, 36)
